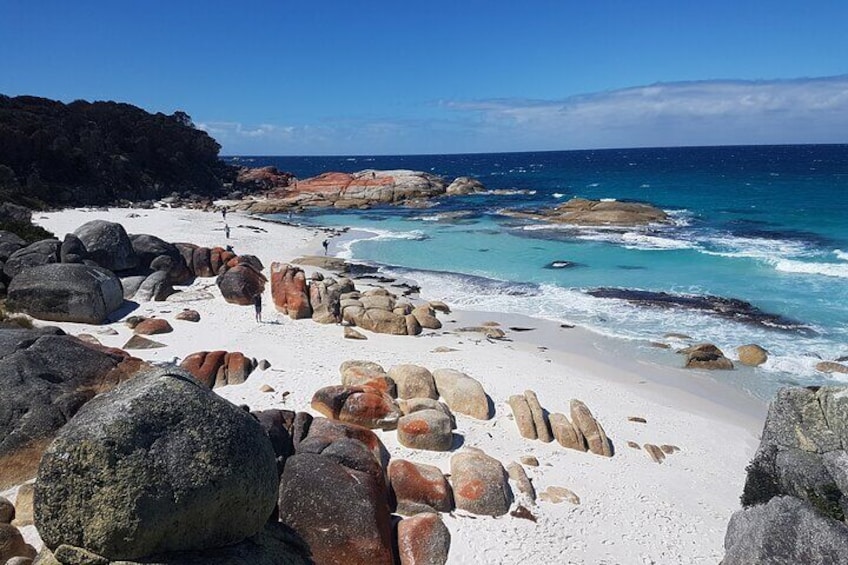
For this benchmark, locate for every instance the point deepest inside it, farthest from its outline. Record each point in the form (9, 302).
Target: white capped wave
(841, 255)
(346, 243)
(608, 200)
(505, 192)
(727, 245)
(558, 194)
(680, 218)
(633, 240)
(550, 227)
(812, 268)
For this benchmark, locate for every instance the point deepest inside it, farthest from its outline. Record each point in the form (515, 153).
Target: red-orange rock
(419, 488)
(341, 512)
(289, 291)
(201, 262)
(330, 431)
(204, 365)
(480, 483)
(238, 367)
(423, 540)
(425, 429)
(227, 256)
(151, 326)
(241, 284)
(363, 406)
(265, 178)
(215, 261)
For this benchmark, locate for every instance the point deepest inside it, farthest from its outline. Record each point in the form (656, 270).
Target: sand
(632, 510)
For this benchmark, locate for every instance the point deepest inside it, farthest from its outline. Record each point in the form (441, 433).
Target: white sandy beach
(632, 509)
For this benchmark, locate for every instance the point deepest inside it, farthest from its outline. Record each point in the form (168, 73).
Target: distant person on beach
(326, 244)
(257, 307)
(224, 213)
(227, 231)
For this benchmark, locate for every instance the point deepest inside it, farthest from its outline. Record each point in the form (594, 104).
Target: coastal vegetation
(96, 153)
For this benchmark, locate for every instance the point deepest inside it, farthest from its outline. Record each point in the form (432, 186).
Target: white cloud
(683, 113)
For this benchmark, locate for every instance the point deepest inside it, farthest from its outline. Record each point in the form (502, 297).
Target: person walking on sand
(227, 231)
(257, 307)
(326, 244)
(224, 213)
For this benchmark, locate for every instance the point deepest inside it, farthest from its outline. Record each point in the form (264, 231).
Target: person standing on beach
(326, 244)
(257, 307)
(227, 230)
(224, 213)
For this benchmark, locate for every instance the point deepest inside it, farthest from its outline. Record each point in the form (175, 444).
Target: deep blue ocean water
(765, 225)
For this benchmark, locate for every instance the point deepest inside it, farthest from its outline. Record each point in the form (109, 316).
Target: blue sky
(379, 77)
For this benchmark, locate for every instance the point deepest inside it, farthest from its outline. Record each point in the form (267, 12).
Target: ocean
(757, 251)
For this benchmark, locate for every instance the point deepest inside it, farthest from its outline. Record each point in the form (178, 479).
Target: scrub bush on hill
(96, 153)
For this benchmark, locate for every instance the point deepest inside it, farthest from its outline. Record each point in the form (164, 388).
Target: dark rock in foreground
(66, 292)
(274, 545)
(45, 377)
(333, 493)
(785, 531)
(160, 464)
(795, 492)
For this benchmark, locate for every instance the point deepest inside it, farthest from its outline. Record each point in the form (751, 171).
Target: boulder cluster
(329, 300)
(86, 276)
(583, 432)
(352, 190)
(794, 500)
(219, 368)
(162, 470)
(405, 398)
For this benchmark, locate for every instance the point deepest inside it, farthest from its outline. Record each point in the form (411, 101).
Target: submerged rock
(729, 308)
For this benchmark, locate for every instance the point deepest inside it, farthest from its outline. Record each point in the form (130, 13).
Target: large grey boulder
(35, 254)
(72, 250)
(785, 531)
(66, 293)
(803, 441)
(9, 243)
(107, 244)
(45, 377)
(157, 254)
(156, 286)
(160, 464)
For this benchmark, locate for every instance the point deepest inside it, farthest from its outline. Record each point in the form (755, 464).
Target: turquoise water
(764, 225)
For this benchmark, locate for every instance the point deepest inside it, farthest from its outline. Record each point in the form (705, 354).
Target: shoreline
(632, 509)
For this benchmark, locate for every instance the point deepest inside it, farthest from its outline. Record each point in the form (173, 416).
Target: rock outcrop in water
(729, 308)
(795, 493)
(583, 212)
(358, 190)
